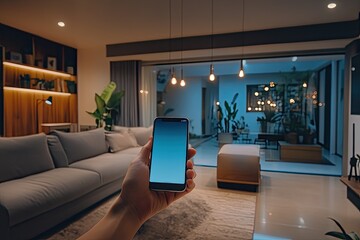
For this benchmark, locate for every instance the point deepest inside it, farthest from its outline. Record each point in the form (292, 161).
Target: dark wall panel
(355, 85)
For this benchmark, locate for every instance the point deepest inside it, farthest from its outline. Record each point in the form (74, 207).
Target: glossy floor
(295, 206)
(207, 153)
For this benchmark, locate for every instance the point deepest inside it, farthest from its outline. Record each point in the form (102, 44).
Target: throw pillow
(57, 151)
(24, 156)
(82, 145)
(120, 141)
(142, 134)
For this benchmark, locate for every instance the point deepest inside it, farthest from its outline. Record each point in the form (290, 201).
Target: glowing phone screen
(168, 157)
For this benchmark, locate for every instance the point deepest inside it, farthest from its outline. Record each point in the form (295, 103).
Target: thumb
(144, 154)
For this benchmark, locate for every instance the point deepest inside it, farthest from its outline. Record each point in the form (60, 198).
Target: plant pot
(263, 126)
(225, 138)
(291, 137)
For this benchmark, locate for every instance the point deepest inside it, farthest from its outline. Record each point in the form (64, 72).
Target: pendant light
(172, 69)
(241, 72)
(182, 81)
(212, 75)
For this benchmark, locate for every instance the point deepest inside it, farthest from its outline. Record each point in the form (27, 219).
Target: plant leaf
(354, 236)
(338, 235)
(347, 237)
(115, 100)
(95, 114)
(100, 104)
(108, 91)
(234, 98)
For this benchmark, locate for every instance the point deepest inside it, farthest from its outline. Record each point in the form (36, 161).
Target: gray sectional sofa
(45, 179)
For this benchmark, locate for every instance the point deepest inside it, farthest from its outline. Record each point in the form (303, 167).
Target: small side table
(48, 127)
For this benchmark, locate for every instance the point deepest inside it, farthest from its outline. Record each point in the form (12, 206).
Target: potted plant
(342, 234)
(269, 119)
(224, 121)
(106, 106)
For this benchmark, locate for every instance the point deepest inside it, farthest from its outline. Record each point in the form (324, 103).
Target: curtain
(127, 76)
(147, 96)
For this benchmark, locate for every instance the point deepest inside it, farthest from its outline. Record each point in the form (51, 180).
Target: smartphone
(169, 154)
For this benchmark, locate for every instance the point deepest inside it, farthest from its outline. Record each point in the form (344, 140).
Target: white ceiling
(95, 23)
(91, 23)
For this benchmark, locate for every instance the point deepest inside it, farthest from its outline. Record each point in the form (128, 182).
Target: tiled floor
(207, 152)
(290, 206)
(295, 206)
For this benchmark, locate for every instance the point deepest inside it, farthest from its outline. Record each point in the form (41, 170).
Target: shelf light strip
(36, 69)
(36, 91)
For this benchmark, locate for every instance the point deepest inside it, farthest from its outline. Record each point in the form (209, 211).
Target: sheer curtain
(147, 96)
(127, 76)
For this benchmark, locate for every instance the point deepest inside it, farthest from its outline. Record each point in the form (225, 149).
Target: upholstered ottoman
(238, 166)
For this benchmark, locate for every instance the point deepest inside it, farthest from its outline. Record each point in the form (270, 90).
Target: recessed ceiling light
(331, 5)
(61, 24)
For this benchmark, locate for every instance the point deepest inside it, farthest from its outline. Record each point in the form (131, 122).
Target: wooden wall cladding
(20, 110)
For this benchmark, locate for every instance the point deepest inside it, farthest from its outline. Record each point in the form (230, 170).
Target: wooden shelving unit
(29, 78)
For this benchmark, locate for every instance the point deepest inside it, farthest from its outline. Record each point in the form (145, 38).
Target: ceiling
(94, 23)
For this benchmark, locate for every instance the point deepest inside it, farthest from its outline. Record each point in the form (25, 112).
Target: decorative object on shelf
(15, 57)
(39, 63)
(48, 101)
(70, 70)
(29, 59)
(25, 81)
(51, 63)
(106, 106)
(353, 159)
(71, 86)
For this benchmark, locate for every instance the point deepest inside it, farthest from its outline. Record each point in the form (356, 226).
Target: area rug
(202, 214)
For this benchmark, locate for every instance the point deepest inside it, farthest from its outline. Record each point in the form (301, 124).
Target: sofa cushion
(31, 196)
(142, 134)
(120, 141)
(81, 145)
(23, 156)
(110, 166)
(57, 151)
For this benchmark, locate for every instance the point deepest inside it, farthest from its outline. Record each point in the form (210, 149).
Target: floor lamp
(48, 101)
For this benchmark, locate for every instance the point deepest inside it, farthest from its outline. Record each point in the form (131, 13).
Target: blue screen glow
(168, 162)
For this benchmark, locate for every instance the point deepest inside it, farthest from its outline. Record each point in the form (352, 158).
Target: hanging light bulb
(173, 77)
(241, 73)
(212, 75)
(182, 82)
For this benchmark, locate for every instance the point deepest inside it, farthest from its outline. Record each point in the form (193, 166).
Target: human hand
(135, 190)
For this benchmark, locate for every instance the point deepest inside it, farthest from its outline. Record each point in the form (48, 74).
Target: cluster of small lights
(261, 101)
(292, 101)
(144, 91)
